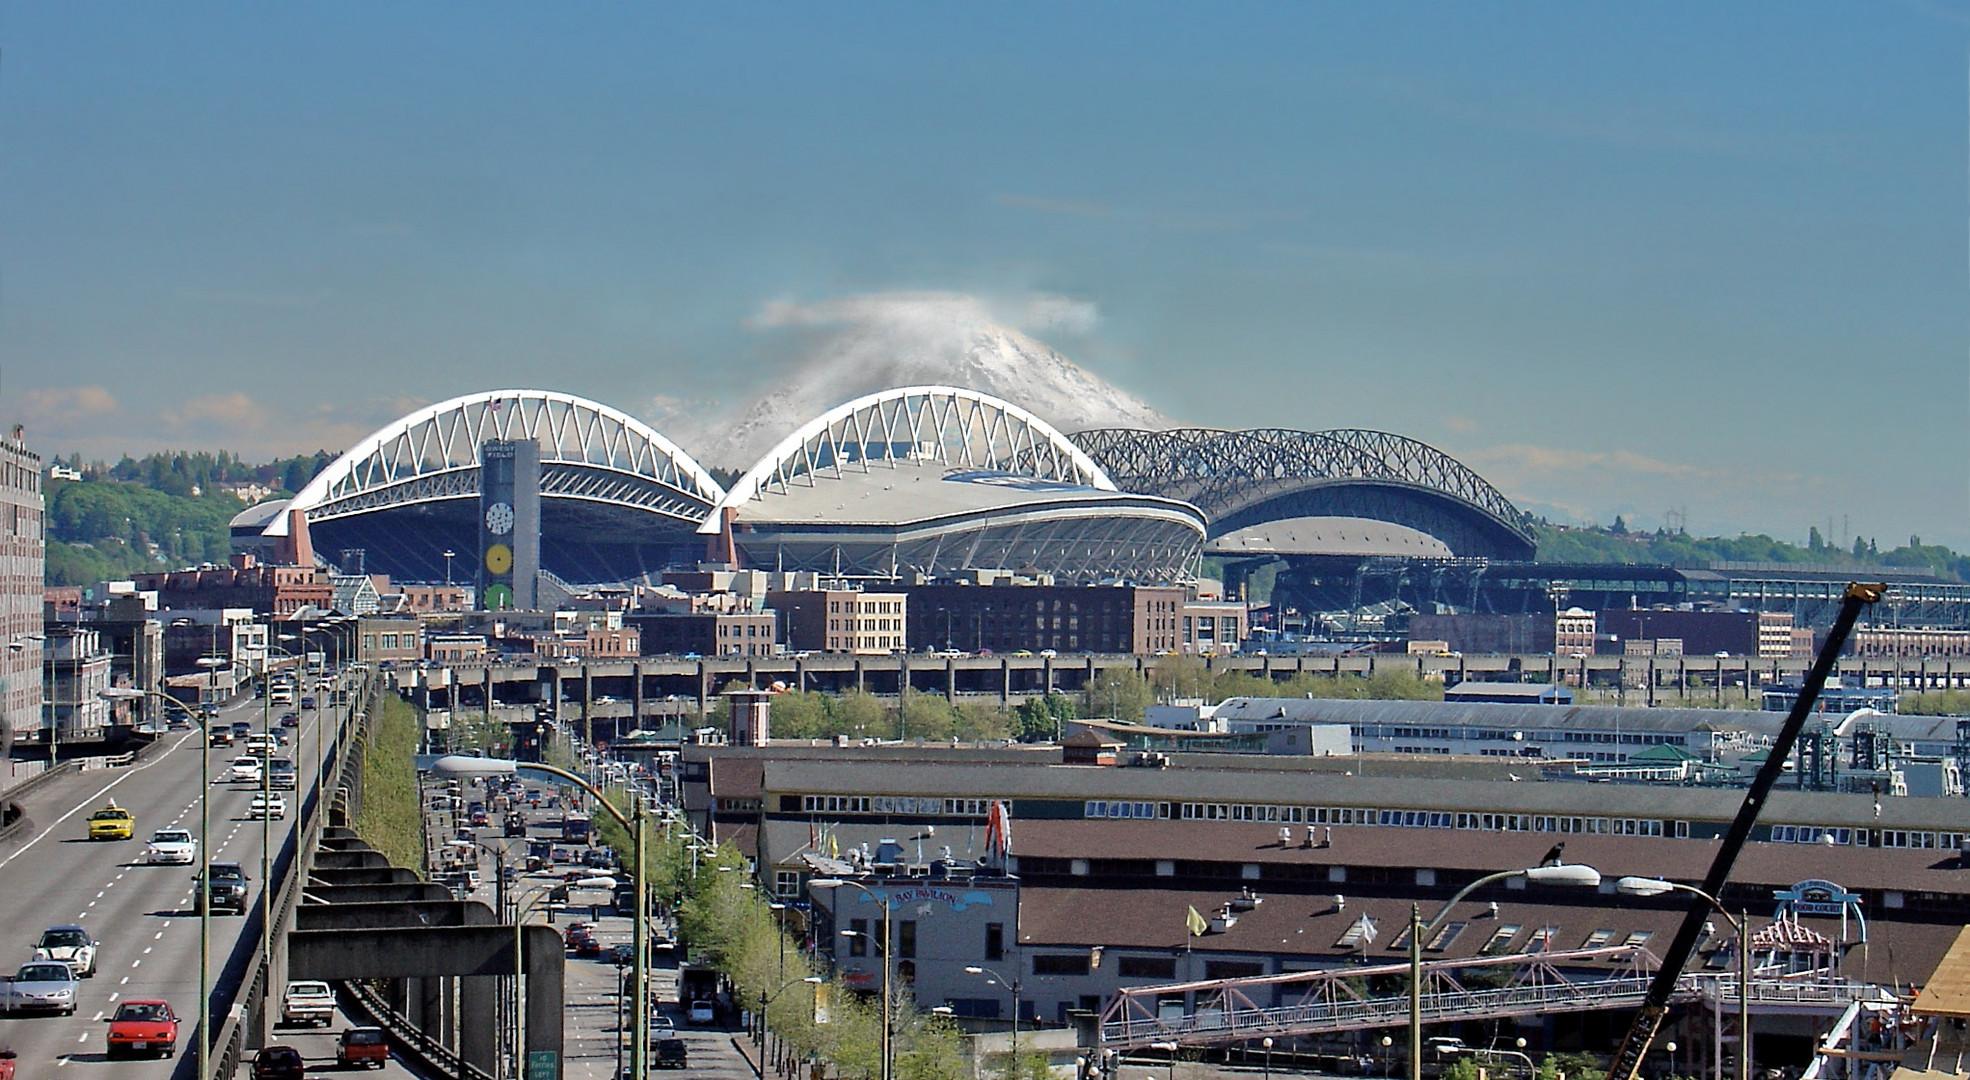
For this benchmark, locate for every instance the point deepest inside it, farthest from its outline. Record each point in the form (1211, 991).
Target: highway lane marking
(136, 963)
(82, 1038)
(61, 1061)
(87, 802)
(113, 995)
(159, 935)
(125, 982)
(147, 949)
(98, 1017)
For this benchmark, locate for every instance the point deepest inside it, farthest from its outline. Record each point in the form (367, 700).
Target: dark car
(225, 888)
(670, 1053)
(279, 1063)
(588, 949)
(290, 719)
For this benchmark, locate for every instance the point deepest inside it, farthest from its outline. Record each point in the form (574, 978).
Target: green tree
(1042, 717)
(926, 716)
(1122, 695)
(1176, 677)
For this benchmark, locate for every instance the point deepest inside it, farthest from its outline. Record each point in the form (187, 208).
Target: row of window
(893, 804)
(1411, 819)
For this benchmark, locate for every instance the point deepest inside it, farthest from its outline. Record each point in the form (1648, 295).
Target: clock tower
(509, 525)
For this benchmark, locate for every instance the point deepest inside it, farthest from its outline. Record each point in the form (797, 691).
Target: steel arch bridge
(1244, 478)
(609, 484)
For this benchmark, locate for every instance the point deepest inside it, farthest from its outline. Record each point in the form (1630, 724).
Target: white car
(264, 805)
(701, 1013)
(172, 847)
(244, 770)
(71, 945)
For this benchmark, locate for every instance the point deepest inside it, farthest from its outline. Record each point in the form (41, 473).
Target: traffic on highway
(103, 894)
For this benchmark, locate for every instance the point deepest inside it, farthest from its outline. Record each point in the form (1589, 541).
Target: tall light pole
(131, 693)
(449, 555)
(461, 765)
(1012, 987)
(1642, 886)
(882, 902)
(1585, 877)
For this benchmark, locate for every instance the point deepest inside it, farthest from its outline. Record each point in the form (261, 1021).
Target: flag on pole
(1195, 922)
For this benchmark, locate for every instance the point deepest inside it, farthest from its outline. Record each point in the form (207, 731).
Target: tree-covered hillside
(155, 513)
(1615, 544)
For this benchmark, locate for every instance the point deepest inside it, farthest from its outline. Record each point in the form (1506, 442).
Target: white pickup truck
(310, 1003)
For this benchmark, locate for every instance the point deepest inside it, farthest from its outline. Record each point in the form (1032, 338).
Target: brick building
(843, 620)
(277, 591)
(21, 580)
(1065, 618)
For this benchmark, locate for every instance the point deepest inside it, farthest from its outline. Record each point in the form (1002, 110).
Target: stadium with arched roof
(618, 500)
(930, 480)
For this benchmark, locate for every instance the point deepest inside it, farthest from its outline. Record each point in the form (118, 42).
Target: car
(143, 1027)
(269, 806)
(221, 735)
(71, 945)
(7, 1063)
(671, 1054)
(290, 719)
(307, 1001)
(227, 888)
(701, 1013)
(241, 728)
(244, 770)
(660, 1022)
(279, 1062)
(42, 986)
(364, 1046)
(307, 702)
(172, 847)
(281, 774)
(1049, 653)
(588, 949)
(112, 822)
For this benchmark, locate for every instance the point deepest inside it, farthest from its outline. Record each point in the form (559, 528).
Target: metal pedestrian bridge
(1522, 984)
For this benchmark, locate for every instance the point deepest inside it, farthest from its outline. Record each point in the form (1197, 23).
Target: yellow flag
(1196, 923)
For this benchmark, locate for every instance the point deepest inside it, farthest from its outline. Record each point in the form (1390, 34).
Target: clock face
(499, 519)
(498, 598)
(499, 559)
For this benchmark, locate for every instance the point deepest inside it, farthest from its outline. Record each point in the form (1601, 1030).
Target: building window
(1061, 964)
(995, 941)
(1148, 967)
(858, 941)
(906, 938)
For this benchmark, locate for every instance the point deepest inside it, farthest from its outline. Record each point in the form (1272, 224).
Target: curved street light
(835, 883)
(1012, 987)
(465, 765)
(1571, 875)
(1646, 886)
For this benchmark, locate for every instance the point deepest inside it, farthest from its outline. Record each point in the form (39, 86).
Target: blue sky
(1619, 259)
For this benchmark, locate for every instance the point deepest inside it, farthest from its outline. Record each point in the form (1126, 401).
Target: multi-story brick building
(277, 591)
(843, 620)
(1065, 618)
(21, 580)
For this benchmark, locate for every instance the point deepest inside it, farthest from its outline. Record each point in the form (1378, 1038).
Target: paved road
(591, 1031)
(144, 916)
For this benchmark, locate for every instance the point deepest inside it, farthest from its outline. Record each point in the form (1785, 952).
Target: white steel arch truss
(588, 451)
(920, 424)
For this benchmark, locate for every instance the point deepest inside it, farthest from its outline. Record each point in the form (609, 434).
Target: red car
(6, 1065)
(143, 1027)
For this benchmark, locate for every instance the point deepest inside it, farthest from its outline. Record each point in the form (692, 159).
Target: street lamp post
(1643, 886)
(1267, 1043)
(1585, 877)
(1012, 987)
(766, 1000)
(461, 765)
(1169, 1048)
(131, 693)
(832, 883)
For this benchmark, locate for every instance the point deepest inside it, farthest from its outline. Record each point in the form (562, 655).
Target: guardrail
(407, 1039)
(229, 1044)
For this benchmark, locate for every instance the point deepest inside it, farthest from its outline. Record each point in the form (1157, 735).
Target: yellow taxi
(112, 822)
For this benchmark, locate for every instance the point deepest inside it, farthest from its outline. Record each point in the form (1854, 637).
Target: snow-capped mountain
(872, 343)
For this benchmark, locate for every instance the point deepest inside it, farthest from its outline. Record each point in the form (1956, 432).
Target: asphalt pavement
(144, 917)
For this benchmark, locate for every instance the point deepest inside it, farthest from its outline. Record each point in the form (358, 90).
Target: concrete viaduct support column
(704, 691)
(950, 679)
(478, 1036)
(1005, 682)
(636, 695)
(588, 702)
